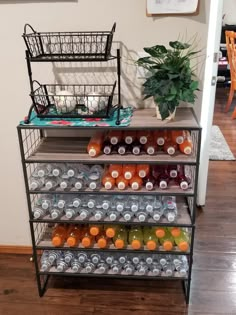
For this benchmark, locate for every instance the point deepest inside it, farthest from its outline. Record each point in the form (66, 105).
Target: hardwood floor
(214, 270)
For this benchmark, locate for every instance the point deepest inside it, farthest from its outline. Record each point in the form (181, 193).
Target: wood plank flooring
(214, 270)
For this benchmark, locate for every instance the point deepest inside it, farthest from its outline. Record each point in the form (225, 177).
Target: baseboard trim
(12, 249)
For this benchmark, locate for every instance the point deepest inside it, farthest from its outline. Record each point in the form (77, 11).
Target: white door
(209, 90)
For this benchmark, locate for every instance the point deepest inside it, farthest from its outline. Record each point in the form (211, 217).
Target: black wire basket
(73, 100)
(83, 46)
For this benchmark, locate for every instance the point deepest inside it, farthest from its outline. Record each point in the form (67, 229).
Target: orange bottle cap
(175, 231)
(167, 245)
(71, 241)
(110, 232)
(160, 233)
(86, 242)
(94, 230)
(183, 246)
(56, 241)
(119, 244)
(102, 243)
(151, 245)
(136, 244)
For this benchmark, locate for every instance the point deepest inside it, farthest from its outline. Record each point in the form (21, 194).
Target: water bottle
(47, 202)
(53, 255)
(127, 215)
(82, 257)
(55, 212)
(109, 260)
(58, 169)
(76, 266)
(65, 184)
(142, 268)
(68, 256)
(157, 210)
(84, 214)
(43, 170)
(82, 171)
(36, 183)
(181, 266)
(38, 212)
(170, 209)
(51, 182)
(113, 215)
(76, 202)
(119, 203)
(169, 269)
(71, 170)
(98, 215)
(163, 260)
(90, 201)
(62, 201)
(71, 212)
(94, 177)
(122, 260)
(129, 268)
(149, 203)
(61, 265)
(106, 203)
(79, 183)
(155, 268)
(133, 202)
(116, 267)
(95, 258)
(136, 260)
(149, 260)
(89, 267)
(102, 268)
(45, 263)
(141, 216)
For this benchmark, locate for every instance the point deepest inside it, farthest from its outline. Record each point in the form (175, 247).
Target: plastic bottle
(74, 235)
(170, 147)
(187, 146)
(182, 180)
(102, 268)
(110, 259)
(177, 136)
(149, 238)
(95, 176)
(136, 182)
(62, 201)
(68, 256)
(115, 170)
(76, 266)
(129, 136)
(157, 209)
(156, 268)
(181, 265)
(87, 240)
(106, 202)
(111, 230)
(143, 136)
(136, 148)
(174, 231)
(127, 215)
(149, 260)
(150, 147)
(59, 235)
(71, 170)
(169, 269)
(51, 182)
(107, 148)
(89, 267)
(141, 216)
(172, 171)
(136, 260)
(36, 183)
(163, 180)
(167, 241)
(45, 263)
(95, 258)
(129, 268)
(59, 169)
(95, 229)
(46, 202)
(142, 268)
(82, 257)
(160, 137)
(90, 201)
(149, 182)
(94, 184)
(148, 204)
(170, 209)
(122, 148)
(79, 183)
(61, 265)
(71, 212)
(122, 259)
(55, 213)
(159, 231)
(116, 267)
(133, 203)
(120, 238)
(143, 170)
(119, 202)
(43, 170)
(115, 136)
(102, 240)
(53, 255)
(99, 214)
(129, 170)
(164, 259)
(182, 241)
(95, 144)
(38, 212)
(136, 237)
(82, 171)
(84, 214)
(108, 181)
(121, 182)
(65, 184)
(113, 215)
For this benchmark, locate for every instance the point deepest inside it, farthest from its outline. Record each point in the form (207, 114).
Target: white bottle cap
(156, 217)
(136, 260)
(149, 260)
(108, 185)
(184, 185)
(155, 272)
(169, 272)
(121, 150)
(37, 214)
(180, 139)
(129, 270)
(171, 217)
(81, 259)
(45, 205)
(115, 270)
(143, 140)
(55, 172)
(102, 269)
(33, 186)
(61, 204)
(88, 268)
(163, 261)
(92, 152)
(149, 186)
(136, 150)
(135, 186)
(128, 139)
(51, 258)
(75, 268)
(68, 259)
(63, 185)
(69, 214)
(142, 173)
(92, 185)
(109, 260)
(83, 215)
(114, 174)
(171, 150)
(114, 140)
(127, 217)
(98, 216)
(188, 150)
(105, 206)
(163, 184)
(134, 208)
(149, 208)
(122, 259)
(112, 217)
(107, 150)
(78, 185)
(173, 173)
(128, 175)
(160, 141)
(54, 214)
(41, 173)
(141, 217)
(121, 185)
(91, 204)
(71, 173)
(150, 151)
(183, 272)
(119, 208)
(44, 267)
(48, 185)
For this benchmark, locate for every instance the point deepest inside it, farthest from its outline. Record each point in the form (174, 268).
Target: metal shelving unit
(39, 144)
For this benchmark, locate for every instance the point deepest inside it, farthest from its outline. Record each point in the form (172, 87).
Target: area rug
(219, 149)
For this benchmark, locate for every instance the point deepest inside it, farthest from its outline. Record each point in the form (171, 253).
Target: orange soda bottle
(143, 170)
(115, 170)
(74, 236)
(115, 136)
(108, 181)
(136, 182)
(102, 240)
(122, 182)
(129, 170)
(94, 229)
(95, 144)
(187, 146)
(87, 239)
(177, 136)
(143, 136)
(59, 235)
(160, 137)
(129, 136)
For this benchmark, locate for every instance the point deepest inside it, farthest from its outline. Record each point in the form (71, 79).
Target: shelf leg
(119, 76)
(43, 288)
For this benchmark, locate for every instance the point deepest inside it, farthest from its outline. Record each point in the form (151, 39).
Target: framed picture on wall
(169, 7)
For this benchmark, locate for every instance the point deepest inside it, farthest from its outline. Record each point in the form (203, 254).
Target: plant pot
(158, 115)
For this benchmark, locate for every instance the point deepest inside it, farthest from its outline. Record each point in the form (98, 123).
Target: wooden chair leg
(230, 98)
(234, 113)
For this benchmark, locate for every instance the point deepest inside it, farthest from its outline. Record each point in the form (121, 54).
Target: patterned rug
(219, 149)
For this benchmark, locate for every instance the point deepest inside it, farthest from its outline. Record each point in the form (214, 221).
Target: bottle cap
(91, 204)
(98, 216)
(149, 208)
(60, 268)
(75, 268)
(37, 214)
(48, 185)
(76, 203)
(163, 184)
(173, 173)
(56, 241)
(105, 206)
(44, 267)
(110, 232)
(92, 152)
(69, 213)
(54, 214)
(122, 259)
(182, 272)
(61, 204)
(171, 217)
(149, 186)
(41, 173)
(184, 185)
(102, 243)
(143, 140)
(92, 185)
(45, 205)
(128, 175)
(88, 268)
(179, 139)
(119, 244)
(71, 173)
(149, 260)
(56, 172)
(68, 258)
(71, 241)
(121, 150)
(151, 245)
(175, 231)
(156, 216)
(168, 245)
(127, 217)
(134, 208)
(142, 174)
(136, 244)
(171, 150)
(86, 241)
(188, 150)
(169, 272)
(141, 218)
(108, 185)
(135, 186)
(160, 233)
(102, 269)
(183, 246)
(114, 140)
(160, 141)
(63, 185)
(107, 150)
(128, 139)
(81, 259)
(78, 185)
(121, 185)
(150, 150)
(115, 270)
(83, 215)
(112, 217)
(114, 174)
(109, 260)
(163, 261)
(119, 208)
(33, 186)
(128, 270)
(135, 260)
(136, 150)
(94, 230)
(155, 272)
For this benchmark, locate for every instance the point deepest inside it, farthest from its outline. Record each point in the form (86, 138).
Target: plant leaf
(156, 51)
(194, 85)
(145, 60)
(178, 45)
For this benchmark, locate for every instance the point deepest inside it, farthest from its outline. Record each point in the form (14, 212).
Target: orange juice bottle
(129, 136)
(159, 231)
(95, 229)
(74, 236)
(187, 146)
(150, 239)
(174, 231)
(160, 137)
(143, 136)
(111, 230)
(182, 241)
(59, 235)
(136, 237)
(177, 136)
(87, 240)
(115, 136)
(129, 170)
(95, 145)
(167, 241)
(108, 181)
(122, 182)
(136, 182)
(102, 240)
(120, 238)
(143, 170)
(115, 170)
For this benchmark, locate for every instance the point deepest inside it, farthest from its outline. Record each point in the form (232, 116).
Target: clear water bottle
(170, 209)
(71, 212)
(158, 209)
(129, 268)
(71, 170)
(90, 201)
(149, 260)
(82, 171)
(142, 268)
(89, 267)
(94, 177)
(84, 214)
(113, 215)
(76, 202)
(106, 203)
(68, 256)
(163, 260)
(59, 169)
(38, 212)
(82, 257)
(119, 203)
(169, 269)
(79, 183)
(181, 265)
(102, 268)
(122, 260)
(43, 170)
(55, 212)
(36, 183)
(116, 267)
(94, 184)
(156, 268)
(51, 182)
(76, 266)
(109, 259)
(95, 258)
(141, 216)
(62, 201)
(136, 260)
(127, 215)
(47, 202)
(53, 255)
(61, 265)
(133, 202)
(99, 215)
(65, 184)
(45, 263)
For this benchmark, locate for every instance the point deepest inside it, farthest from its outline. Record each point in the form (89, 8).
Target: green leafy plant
(170, 77)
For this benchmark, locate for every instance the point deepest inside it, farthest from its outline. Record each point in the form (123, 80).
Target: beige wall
(134, 30)
(229, 9)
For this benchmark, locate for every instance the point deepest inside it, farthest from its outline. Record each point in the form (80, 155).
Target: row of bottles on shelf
(113, 175)
(130, 264)
(121, 236)
(135, 142)
(112, 207)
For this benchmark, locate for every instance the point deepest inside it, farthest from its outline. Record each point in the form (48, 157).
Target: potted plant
(170, 77)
